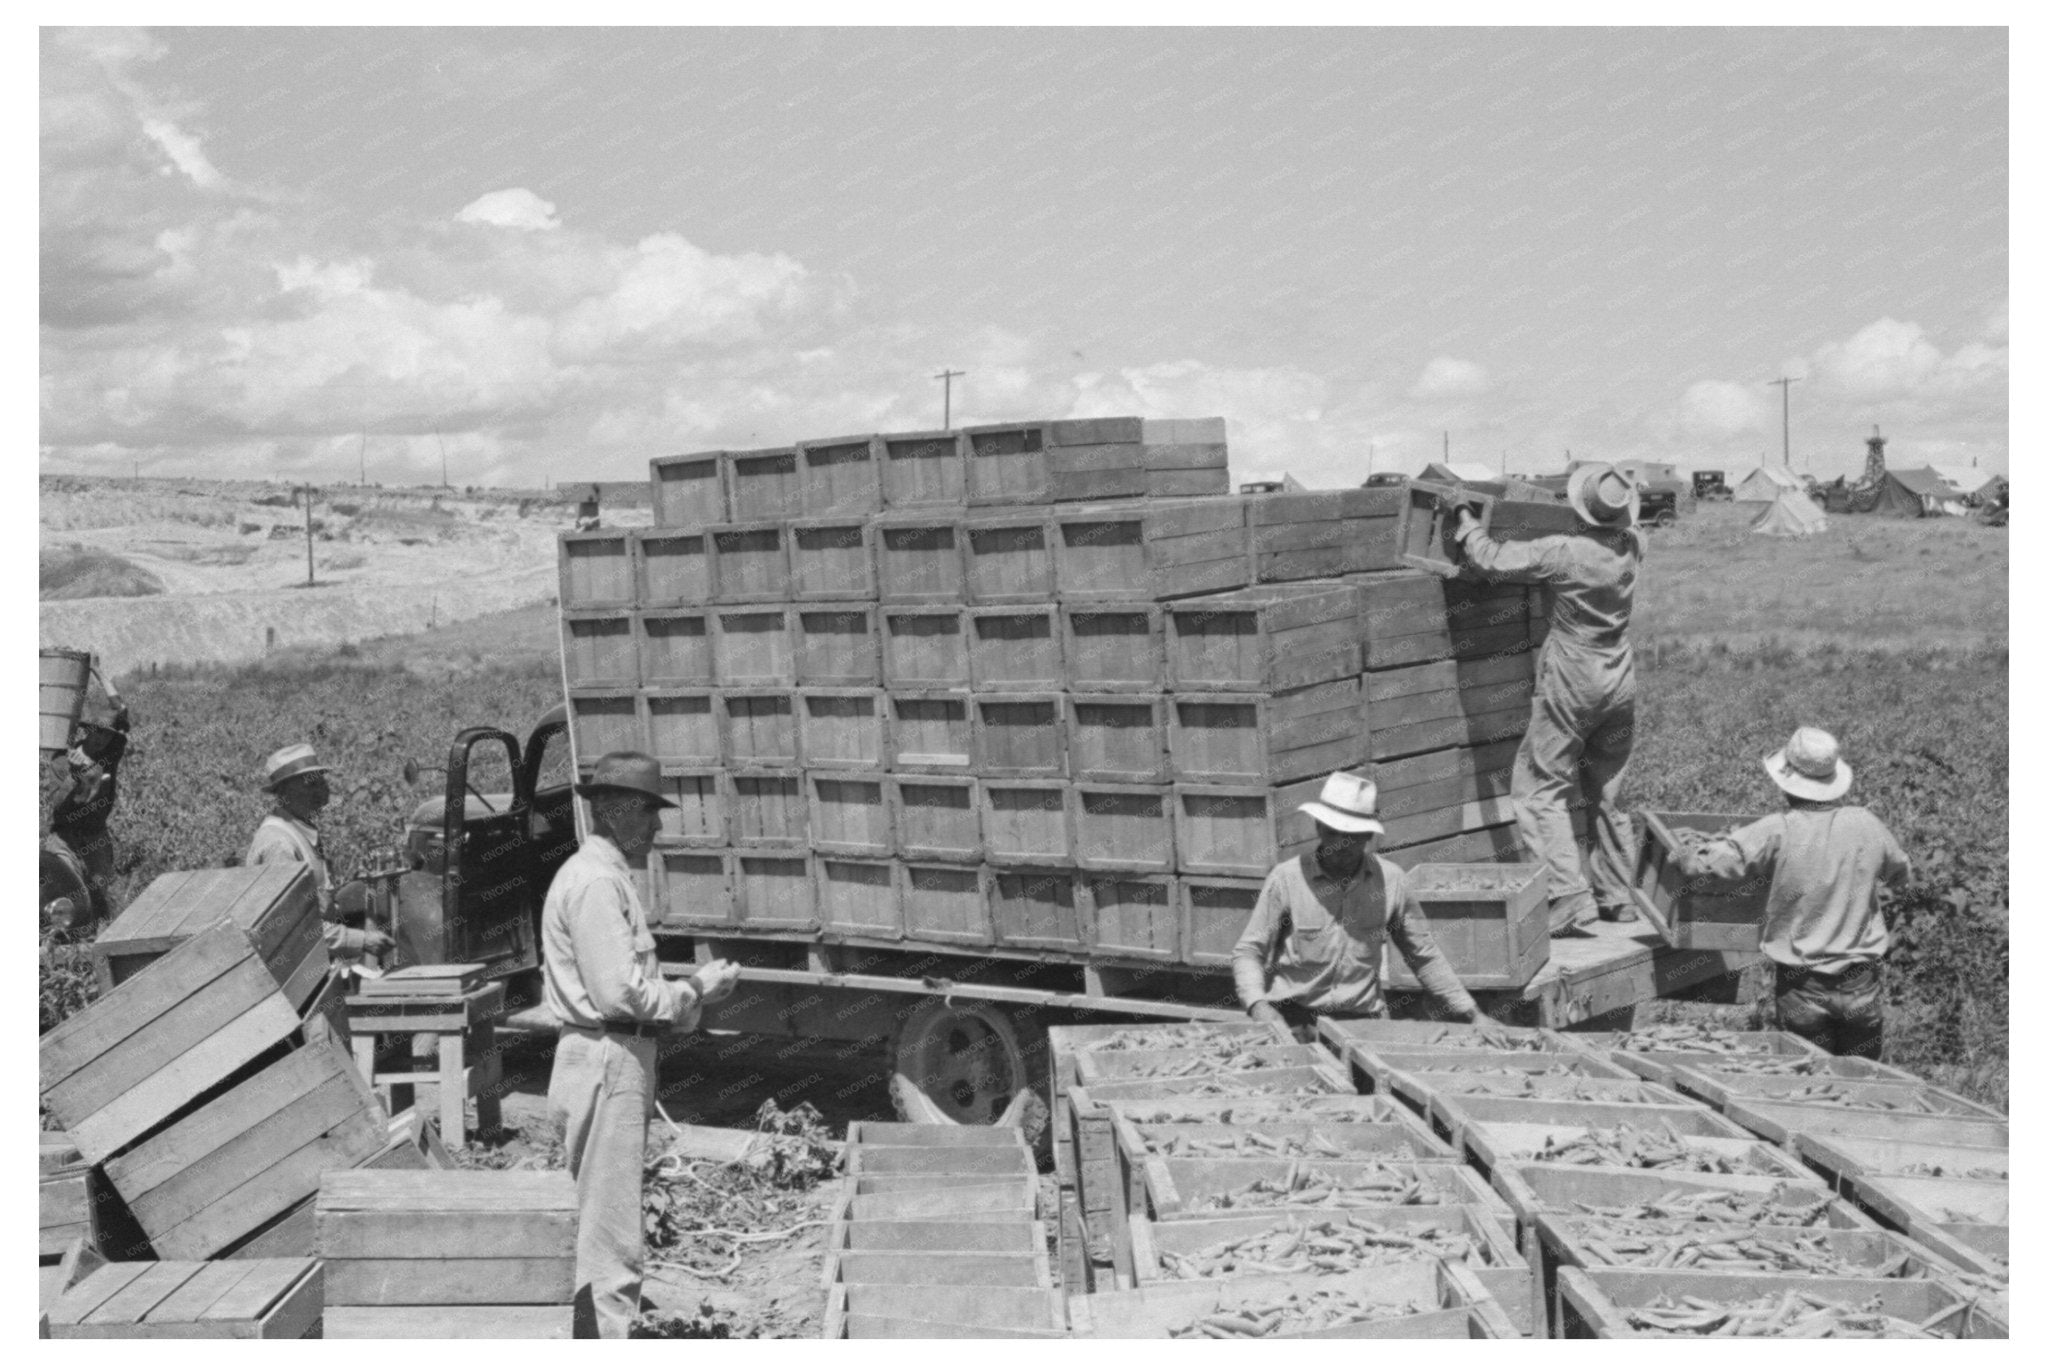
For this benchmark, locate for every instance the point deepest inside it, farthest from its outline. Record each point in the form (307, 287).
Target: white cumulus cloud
(1448, 377)
(1717, 408)
(513, 208)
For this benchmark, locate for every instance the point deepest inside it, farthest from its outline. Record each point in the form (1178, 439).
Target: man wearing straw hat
(1582, 721)
(297, 782)
(1822, 924)
(1312, 946)
(603, 982)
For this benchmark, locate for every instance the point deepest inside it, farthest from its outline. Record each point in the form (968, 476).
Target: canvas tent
(1457, 471)
(1918, 493)
(1765, 483)
(1793, 514)
(1966, 479)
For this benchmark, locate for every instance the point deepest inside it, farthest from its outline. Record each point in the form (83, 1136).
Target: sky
(555, 254)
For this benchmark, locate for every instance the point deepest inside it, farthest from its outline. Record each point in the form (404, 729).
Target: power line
(947, 377)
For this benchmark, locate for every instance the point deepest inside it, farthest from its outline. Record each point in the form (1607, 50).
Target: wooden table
(463, 1028)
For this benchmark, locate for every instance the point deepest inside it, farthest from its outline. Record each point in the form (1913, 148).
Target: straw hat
(1602, 495)
(1810, 766)
(1349, 803)
(293, 760)
(626, 771)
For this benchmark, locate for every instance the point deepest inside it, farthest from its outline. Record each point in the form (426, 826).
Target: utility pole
(1785, 390)
(307, 492)
(1370, 448)
(1447, 447)
(444, 456)
(947, 377)
(363, 460)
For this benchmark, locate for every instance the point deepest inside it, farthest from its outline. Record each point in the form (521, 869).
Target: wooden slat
(157, 1282)
(138, 1002)
(273, 1190)
(200, 1293)
(441, 1233)
(409, 1191)
(82, 1300)
(444, 1321)
(263, 1286)
(200, 1015)
(392, 1283)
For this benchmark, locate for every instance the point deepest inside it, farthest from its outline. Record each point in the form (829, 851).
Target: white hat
(1602, 495)
(293, 760)
(1347, 802)
(1810, 766)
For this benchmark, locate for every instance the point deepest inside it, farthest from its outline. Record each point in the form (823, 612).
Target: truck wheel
(64, 899)
(1665, 518)
(969, 1059)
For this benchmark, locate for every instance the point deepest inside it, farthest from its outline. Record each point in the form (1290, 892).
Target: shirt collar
(605, 851)
(1313, 865)
(281, 814)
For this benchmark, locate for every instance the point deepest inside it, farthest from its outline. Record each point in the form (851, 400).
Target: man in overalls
(297, 783)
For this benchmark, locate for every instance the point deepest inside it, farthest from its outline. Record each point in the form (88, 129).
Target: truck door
(548, 776)
(488, 885)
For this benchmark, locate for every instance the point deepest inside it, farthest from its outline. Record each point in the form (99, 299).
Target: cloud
(1449, 377)
(1894, 360)
(1716, 408)
(514, 208)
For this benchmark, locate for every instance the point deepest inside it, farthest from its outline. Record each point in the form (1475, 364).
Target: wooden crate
(1979, 1248)
(1008, 556)
(758, 728)
(1027, 823)
(839, 477)
(924, 469)
(598, 649)
(1240, 830)
(945, 903)
(1181, 1188)
(1264, 639)
(1466, 1309)
(918, 558)
(277, 1299)
(1284, 737)
(1185, 457)
(699, 818)
(935, 818)
(1779, 1121)
(1151, 550)
(1697, 912)
(1016, 649)
(1532, 1188)
(1095, 457)
(843, 728)
(1019, 734)
(1595, 1303)
(689, 490)
(1429, 781)
(1213, 915)
(850, 814)
(1718, 1084)
(674, 649)
(930, 732)
(944, 1311)
(1499, 843)
(838, 644)
(1912, 1203)
(1129, 915)
(762, 485)
(684, 727)
(768, 809)
(1322, 534)
(1123, 828)
(277, 904)
(456, 1322)
(1097, 1067)
(755, 646)
(131, 1059)
(1428, 522)
(67, 1212)
(245, 1156)
(1116, 736)
(1490, 921)
(858, 897)
(1006, 464)
(831, 559)
(1411, 618)
(392, 1239)
(1490, 1143)
(1036, 907)
(750, 563)
(1840, 1155)
(596, 570)
(1451, 728)
(696, 888)
(1112, 647)
(673, 567)
(772, 890)
(924, 647)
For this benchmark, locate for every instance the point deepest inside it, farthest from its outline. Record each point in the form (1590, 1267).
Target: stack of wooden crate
(412, 1254)
(934, 1235)
(206, 1100)
(903, 690)
(273, 1299)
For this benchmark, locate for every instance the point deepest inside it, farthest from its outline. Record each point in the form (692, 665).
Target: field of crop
(1925, 728)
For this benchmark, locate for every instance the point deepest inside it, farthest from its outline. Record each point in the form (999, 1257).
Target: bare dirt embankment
(231, 565)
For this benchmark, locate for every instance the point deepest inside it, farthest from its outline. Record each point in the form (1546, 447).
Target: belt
(1853, 973)
(627, 1028)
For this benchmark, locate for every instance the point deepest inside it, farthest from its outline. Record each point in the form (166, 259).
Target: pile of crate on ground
(1640, 1209)
(1041, 690)
(1226, 1180)
(936, 1234)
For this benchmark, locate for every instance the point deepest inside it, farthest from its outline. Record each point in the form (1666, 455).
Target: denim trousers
(1842, 1012)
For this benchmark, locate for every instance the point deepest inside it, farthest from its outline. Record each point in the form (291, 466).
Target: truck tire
(1665, 518)
(64, 899)
(968, 1059)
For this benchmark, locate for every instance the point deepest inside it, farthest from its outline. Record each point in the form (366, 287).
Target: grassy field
(1743, 639)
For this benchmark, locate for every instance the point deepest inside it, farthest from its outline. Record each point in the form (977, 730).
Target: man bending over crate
(602, 980)
(1822, 924)
(1312, 947)
(1582, 722)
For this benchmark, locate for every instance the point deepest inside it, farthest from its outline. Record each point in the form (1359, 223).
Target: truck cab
(479, 857)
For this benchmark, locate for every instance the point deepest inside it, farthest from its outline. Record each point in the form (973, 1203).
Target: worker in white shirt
(297, 783)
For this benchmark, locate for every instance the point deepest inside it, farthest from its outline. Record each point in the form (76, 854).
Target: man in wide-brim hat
(1823, 927)
(1582, 719)
(602, 980)
(297, 782)
(1312, 945)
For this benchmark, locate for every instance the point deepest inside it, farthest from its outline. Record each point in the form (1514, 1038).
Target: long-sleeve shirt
(283, 839)
(1316, 941)
(1591, 576)
(598, 962)
(80, 817)
(1825, 863)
